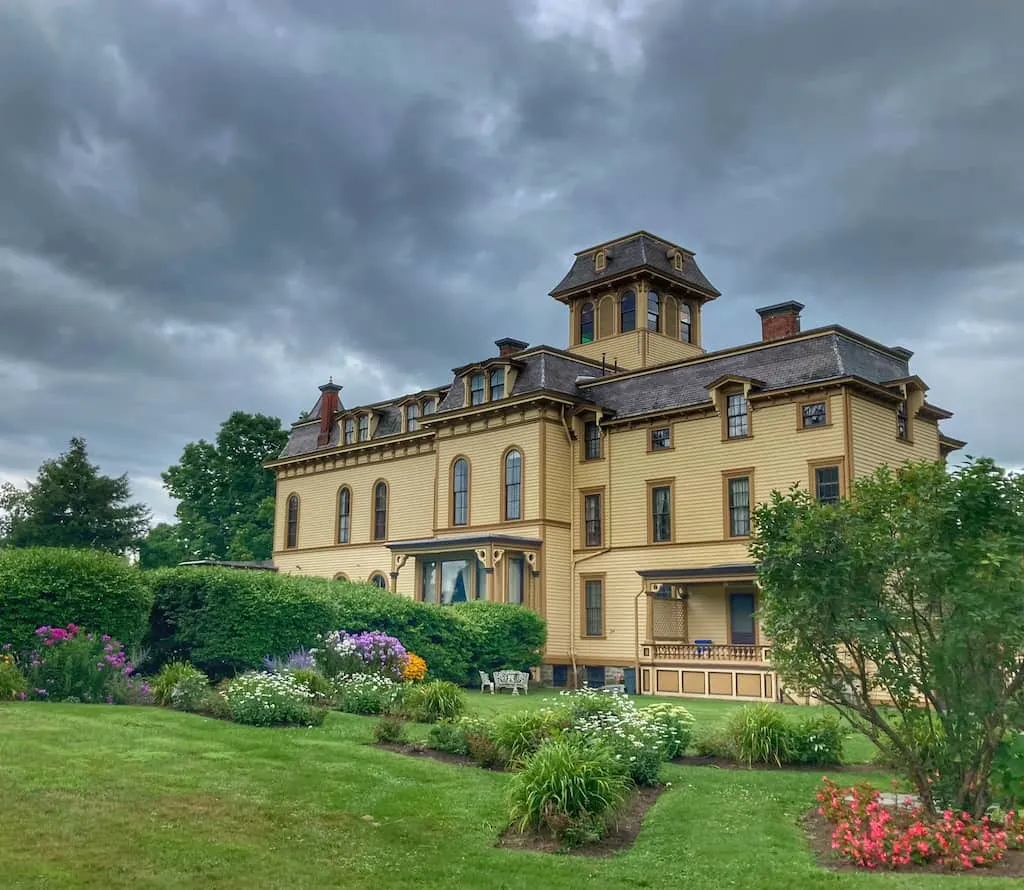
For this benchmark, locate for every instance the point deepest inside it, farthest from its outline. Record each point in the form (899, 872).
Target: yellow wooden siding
(557, 581)
(663, 348)
(357, 563)
(626, 349)
(875, 441)
(558, 454)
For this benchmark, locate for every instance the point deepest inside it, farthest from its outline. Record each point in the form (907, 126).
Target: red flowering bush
(873, 835)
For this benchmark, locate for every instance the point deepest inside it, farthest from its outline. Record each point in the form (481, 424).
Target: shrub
(715, 741)
(415, 668)
(817, 739)
(300, 659)
(169, 676)
(321, 689)
(13, 684)
(367, 694)
(433, 701)
(520, 734)
(674, 725)
(588, 702)
(390, 728)
(48, 587)
(568, 788)
(503, 635)
(448, 737)
(261, 699)
(216, 704)
(368, 652)
(480, 744)
(760, 734)
(633, 741)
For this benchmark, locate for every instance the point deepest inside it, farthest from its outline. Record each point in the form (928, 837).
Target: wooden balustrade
(715, 652)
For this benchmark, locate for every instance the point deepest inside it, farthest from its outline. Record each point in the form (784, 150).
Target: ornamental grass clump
(761, 734)
(170, 676)
(569, 788)
(341, 653)
(433, 701)
(262, 699)
(520, 734)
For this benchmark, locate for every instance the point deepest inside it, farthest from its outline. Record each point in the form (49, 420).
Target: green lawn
(109, 797)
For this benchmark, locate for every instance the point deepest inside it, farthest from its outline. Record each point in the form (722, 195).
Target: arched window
(685, 332)
(344, 515)
(587, 323)
(292, 533)
(377, 579)
(380, 511)
(460, 492)
(340, 576)
(627, 312)
(513, 486)
(653, 311)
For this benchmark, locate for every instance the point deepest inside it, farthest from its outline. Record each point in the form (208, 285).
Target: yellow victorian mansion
(610, 486)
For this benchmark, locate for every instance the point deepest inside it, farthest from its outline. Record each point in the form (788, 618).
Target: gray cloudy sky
(209, 205)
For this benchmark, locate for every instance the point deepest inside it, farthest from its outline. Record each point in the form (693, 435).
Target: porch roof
(702, 573)
(431, 544)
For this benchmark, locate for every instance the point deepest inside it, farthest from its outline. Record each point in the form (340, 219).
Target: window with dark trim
(593, 596)
(364, 428)
(516, 580)
(429, 407)
(412, 417)
(739, 506)
(292, 533)
(344, 515)
(476, 389)
(587, 323)
(742, 627)
(738, 420)
(826, 485)
(497, 384)
(902, 426)
(378, 580)
(513, 486)
(661, 513)
(460, 492)
(592, 520)
(661, 438)
(350, 431)
(591, 440)
(627, 312)
(653, 311)
(380, 512)
(814, 414)
(685, 331)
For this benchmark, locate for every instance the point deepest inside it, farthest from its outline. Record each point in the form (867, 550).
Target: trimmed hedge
(505, 636)
(52, 586)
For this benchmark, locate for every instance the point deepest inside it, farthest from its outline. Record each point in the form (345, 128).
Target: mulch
(724, 763)
(819, 835)
(418, 749)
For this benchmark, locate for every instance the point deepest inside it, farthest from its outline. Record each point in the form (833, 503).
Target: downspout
(572, 544)
(636, 641)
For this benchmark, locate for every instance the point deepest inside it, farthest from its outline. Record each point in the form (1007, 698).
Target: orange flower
(415, 668)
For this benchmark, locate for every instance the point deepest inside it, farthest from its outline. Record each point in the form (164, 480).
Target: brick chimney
(510, 346)
(780, 320)
(329, 405)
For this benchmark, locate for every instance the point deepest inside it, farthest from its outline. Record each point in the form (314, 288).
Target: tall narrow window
(428, 569)
(292, 534)
(350, 431)
(364, 428)
(661, 513)
(344, 516)
(497, 384)
(742, 630)
(516, 575)
(826, 485)
(412, 417)
(476, 389)
(513, 486)
(460, 492)
(627, 312)
(593, 604)
(587, 323)
(739, 506)
(380, 511)
(591, 440)
(653, 311)
(902, 427)
(592, 520)
(429, 407)
(685, 332)
(738, 421)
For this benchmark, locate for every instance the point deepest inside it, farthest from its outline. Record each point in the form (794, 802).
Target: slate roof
(634, 253)
(783, 364)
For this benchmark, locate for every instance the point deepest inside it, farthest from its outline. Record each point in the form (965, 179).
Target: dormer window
(587, 323)
(496, 384)
(600, 261)
(412, 417)
(350, 431)
(364, 427)
(677, 261)
(429, 407)
(476, 389)
(653, 311)
(737, 417)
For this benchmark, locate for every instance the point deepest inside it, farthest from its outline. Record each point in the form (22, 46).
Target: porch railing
(713, 652)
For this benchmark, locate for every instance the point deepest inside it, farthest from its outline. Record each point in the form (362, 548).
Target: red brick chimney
(510, 346)
(329, 405)
(780, 320)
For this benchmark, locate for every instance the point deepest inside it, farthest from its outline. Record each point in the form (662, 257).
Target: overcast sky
(210, 205)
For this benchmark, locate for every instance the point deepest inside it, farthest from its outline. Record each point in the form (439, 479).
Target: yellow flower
(415, 668)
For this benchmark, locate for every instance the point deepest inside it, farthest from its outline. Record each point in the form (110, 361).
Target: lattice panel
(669, 620)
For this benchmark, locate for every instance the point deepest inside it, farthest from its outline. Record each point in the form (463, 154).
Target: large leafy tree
(226, 497)
(903, 607)
(72, 505)
(162, 547)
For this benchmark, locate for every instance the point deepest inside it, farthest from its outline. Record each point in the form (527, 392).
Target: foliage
(673, 725)
(521, 733)
(297, 660)
(589, 702)
(909, 593)
(225, 496)
(216, 704)
(319, 686)
(433, 701)
(761, 734)
(568, 788)
(13, 684)
(449, 737)
(875, 836)
(415, 669)
(390, 728)
(714, 741)
(480, 745)
(339, 653)
(70, 664)
(261, 699)
(190, 692)
(634, 741)
(44, 586)
(816, 739)
(504, 635)
(1008, 772)
(367, 694)
(169, 676)
(71, 505)
(162, 547)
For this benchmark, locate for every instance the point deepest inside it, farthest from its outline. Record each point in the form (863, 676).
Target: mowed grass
(112, 797)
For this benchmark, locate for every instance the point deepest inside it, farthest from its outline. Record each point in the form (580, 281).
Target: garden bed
(418, 749)
(726, 763)
(819, 835)
(621, 835)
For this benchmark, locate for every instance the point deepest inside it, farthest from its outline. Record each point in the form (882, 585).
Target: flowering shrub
(300, 659)
(583, 702)
(674, 726)
(271, 700)
(415, 668)
(875, 836)
(370, 652)
(173, 674)
(367, 694)
(12, 682)
(72, 665)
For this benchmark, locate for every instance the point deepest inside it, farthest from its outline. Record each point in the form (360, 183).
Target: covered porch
(702, 635)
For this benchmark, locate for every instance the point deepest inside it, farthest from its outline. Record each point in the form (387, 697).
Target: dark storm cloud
(215, 205)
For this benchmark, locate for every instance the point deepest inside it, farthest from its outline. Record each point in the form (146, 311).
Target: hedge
(505, 636)
(51, 586)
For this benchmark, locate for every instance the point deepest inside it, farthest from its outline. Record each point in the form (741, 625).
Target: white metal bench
(514, 680)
